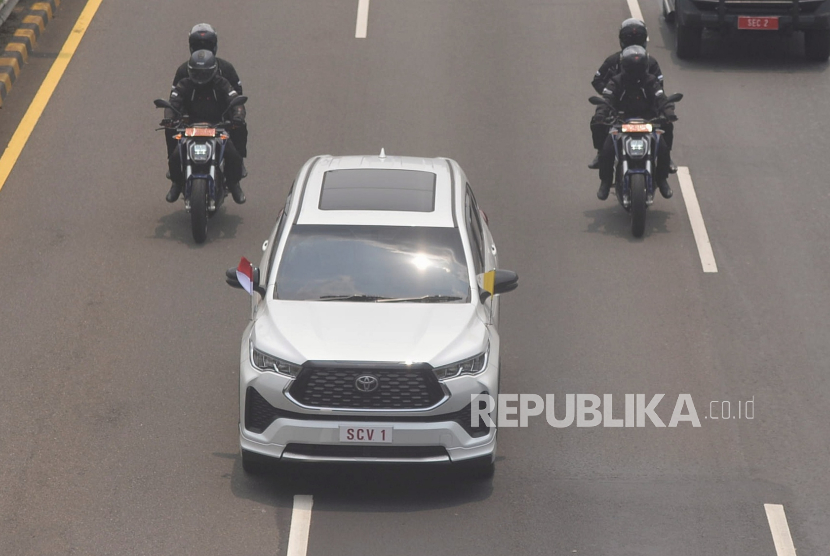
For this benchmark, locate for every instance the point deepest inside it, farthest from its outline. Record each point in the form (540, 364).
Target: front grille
(397, 389)
(259, 415)
(388, 452)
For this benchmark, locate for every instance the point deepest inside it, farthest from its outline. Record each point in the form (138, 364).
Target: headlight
(471, 366)
(264, 362)
(200, 152)
(636, 148)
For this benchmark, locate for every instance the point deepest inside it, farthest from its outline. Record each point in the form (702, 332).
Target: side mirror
(596, 101)
(676, 97)
(233, 281)
(503, 281)
(237, 101)
(161, 103)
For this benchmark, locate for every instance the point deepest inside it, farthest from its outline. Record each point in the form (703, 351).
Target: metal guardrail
(6, 7)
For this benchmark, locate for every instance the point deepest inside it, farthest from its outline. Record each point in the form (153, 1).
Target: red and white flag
(245, 275)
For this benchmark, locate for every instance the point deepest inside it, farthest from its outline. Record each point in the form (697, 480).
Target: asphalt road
(120, 338)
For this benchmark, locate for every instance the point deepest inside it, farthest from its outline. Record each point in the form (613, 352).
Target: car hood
(434, 333)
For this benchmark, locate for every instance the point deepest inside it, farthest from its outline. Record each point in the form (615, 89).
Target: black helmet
(633, 31)
(203, 37)
(202, 67)
(634, 62)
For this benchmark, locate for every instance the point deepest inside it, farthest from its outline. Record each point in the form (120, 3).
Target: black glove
(167, 122)
(238, 120)
(671, 117)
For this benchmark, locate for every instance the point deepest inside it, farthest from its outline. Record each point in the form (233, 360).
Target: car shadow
(614, 221)
(175, 226)
(359, 487)
(745, 52)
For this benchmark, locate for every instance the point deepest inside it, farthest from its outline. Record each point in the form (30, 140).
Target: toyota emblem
(366, 383)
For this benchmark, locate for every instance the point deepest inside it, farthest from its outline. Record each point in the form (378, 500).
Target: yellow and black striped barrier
(23, 42)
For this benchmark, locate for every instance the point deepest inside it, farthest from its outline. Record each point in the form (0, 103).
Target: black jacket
(206, 103)
(226, 70)
(644, 99)
(611, 67)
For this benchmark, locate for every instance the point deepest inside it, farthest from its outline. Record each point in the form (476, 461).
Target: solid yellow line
(44, 94)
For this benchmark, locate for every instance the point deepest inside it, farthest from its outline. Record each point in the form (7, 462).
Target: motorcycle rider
(632, 32)
(637, 94)
(204, 97)
(203, 37)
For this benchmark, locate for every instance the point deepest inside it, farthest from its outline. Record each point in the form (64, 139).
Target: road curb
(23, 42)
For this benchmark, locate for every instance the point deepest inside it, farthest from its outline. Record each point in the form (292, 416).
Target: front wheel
(199, 209)
(817, 45)
(638, 204)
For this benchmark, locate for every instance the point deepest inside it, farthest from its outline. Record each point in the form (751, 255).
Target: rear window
(373, 263)
(367, 189)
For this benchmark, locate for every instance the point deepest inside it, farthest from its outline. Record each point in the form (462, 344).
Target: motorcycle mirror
(676, 97)
(160, 103)
(237, 101)
(596, 101)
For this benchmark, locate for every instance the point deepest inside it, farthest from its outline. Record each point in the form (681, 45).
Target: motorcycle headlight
(636, 148)
(264, 362)
(471, 366)
(200, 152)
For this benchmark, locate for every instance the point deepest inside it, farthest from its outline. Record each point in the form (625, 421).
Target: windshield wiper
(423, 299)
(354, 297)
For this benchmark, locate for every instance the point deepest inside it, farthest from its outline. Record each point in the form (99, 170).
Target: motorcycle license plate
(757, 23)
(636, 128)
(368, 435)
(200, 132)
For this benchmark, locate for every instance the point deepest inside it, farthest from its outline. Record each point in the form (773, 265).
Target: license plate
(368, 435)
(200, 132)
(757, 23)
(636, 128)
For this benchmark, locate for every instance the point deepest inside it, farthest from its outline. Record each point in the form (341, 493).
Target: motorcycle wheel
(199, 209)
(638, 204)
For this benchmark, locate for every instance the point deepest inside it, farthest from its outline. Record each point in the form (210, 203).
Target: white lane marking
(704, 248)
(780, 530)
(635, 10)
(300, 525)
(362, 24)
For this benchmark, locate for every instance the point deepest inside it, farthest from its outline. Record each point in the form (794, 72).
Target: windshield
(373, 263)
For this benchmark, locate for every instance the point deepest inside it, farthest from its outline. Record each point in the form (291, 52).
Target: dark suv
(781, 16)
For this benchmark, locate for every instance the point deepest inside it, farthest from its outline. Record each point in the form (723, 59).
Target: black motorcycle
(636, 143)
(202, 150)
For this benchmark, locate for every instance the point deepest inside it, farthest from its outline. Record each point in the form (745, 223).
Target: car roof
(412, 197)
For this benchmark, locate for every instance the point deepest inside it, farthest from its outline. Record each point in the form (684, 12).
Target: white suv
(375, 319)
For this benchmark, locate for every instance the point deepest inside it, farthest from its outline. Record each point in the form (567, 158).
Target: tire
(478, 469)
(689, 41)
(255, 464)
(817, 45)
(199, 209)
(638, 204)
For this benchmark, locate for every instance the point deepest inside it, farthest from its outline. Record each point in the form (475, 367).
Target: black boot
(236, 192)
(175, 191)
(604, 189)
(594, 165)
(672, 167)
(665, 190)
(244, 171)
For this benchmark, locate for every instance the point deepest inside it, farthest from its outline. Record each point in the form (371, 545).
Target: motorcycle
(636, 143)
(201, 150)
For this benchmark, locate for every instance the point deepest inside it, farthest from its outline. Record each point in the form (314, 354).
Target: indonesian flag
(245, 275)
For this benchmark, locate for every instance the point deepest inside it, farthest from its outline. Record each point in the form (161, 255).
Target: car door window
(476, 237)
(474, 233)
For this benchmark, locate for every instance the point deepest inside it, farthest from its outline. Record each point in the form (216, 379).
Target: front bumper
(271, 424)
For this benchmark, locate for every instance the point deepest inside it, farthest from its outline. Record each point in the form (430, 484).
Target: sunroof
(378, 189)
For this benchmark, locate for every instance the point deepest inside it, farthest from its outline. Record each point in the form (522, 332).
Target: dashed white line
(634, 7)
(704, 248)
(780, 530)
(300, 525)
(362, 24)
